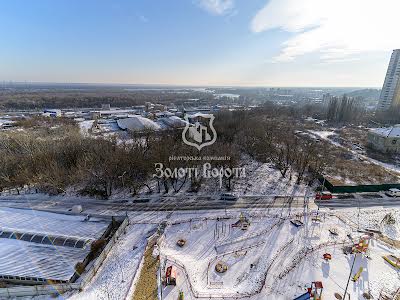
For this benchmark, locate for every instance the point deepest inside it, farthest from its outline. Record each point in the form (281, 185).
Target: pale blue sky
(198, 42)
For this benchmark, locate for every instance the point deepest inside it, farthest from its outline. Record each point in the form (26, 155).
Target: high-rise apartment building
(390, 95)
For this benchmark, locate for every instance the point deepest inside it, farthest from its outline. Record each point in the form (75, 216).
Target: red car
(323, 196)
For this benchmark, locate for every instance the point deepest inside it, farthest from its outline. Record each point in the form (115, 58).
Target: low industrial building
(52, 113)
(385, 139)
(137, 123)
(39, 247)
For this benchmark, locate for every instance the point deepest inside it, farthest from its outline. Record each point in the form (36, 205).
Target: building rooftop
(173, 121)
(40, 246)
(46, 223)
(39, 261)
(137, 123)
(388, 131)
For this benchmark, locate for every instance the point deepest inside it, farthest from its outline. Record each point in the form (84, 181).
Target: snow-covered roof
(137, 123)
(45, 245)
(198, 114)
(164, 113)
(115, 111)
(388, 131)
(6, 121)
(24, 259)
(46, 223)
(174, 121)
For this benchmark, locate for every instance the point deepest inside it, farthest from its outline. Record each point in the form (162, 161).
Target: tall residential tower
(390, 95)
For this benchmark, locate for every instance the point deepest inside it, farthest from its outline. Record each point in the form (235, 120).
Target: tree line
(97, 166)
(56, 161)
(344, 110)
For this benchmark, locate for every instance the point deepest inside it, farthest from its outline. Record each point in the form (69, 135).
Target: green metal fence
(339, 189)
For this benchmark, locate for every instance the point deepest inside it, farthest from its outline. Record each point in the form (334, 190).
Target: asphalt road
(177, 203)
(152, 204)
(358, 202)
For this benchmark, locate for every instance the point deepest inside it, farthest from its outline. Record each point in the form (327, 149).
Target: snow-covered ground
(377, 275)
(323, 134)
(373, 218)
(326, 135)
(273, 259)
(264, 179)
(260, 179)
(85, 126)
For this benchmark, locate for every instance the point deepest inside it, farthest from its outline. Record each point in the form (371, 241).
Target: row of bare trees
(291, 153)
(56, 162)
(98, 166)
(53, 164)
(344, 109)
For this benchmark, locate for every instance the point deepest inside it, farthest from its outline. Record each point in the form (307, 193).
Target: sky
(327, 43)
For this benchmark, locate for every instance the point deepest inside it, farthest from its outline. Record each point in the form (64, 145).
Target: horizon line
(105, 84)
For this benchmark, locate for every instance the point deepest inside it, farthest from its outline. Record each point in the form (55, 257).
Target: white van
(393, 193)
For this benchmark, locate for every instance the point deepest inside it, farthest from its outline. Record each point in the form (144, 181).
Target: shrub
(80, 268)
(96, 246)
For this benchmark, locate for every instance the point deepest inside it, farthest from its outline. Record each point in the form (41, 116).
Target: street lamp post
(351, 272)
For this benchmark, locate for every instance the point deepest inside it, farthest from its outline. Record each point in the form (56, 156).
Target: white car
(393, 193)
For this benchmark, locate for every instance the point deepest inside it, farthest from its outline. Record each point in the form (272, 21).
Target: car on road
(228, 197)
(393, 193)
(323, 196)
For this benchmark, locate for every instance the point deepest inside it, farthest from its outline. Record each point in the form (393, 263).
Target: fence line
(371, 188)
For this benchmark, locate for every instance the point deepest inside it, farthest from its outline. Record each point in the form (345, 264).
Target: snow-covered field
(373, 218)
(264, 179)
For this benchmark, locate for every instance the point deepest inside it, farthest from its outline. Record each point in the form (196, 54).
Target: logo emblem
(199, 131)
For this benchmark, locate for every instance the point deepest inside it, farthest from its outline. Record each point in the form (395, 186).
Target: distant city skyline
(10, 83)
(271, 43)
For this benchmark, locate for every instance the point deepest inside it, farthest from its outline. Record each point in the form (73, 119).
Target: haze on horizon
(313, 43)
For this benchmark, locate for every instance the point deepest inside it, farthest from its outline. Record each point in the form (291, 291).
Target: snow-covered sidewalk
(114, 279)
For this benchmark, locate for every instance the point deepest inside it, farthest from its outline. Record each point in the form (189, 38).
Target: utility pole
(323, 190)
(161, 283)
(306, 198)
(306, 211)
(348, 280)
(358, 216)
(122, 179)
